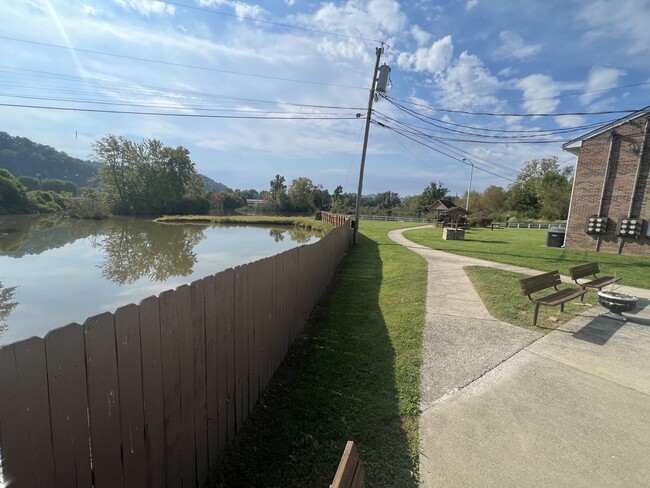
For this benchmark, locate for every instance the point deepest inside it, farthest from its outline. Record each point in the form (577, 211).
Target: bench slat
(560, 297)
(583, 270)
(540, 282)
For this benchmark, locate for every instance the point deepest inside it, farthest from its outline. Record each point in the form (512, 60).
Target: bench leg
(561, 307)
(582, 297)
(535, 314)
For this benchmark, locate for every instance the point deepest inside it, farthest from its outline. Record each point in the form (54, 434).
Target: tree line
(150, 178)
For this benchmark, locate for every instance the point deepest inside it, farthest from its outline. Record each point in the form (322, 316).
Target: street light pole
(379, 51)
(469, 188)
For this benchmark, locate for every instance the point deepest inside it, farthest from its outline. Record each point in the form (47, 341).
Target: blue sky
(303, 70)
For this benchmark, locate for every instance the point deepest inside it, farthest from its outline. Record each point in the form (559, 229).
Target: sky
(477, 87)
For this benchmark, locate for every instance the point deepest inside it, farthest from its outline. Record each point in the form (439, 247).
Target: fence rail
(149, 396)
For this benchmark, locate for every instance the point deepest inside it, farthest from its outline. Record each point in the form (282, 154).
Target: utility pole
(379, 52)
(469, 188)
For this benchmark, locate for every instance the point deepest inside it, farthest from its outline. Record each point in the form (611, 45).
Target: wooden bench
(350, 473)
(591, 269)
(545, 281)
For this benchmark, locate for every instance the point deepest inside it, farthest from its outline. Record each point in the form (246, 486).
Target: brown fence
(150, 395)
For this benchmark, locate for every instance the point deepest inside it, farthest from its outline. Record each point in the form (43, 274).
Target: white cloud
(623, 19)
(539, 92)
(88, 10)
(420, 35)
(600, 79)
(291, 3)
(471, 4)
(247, 10)
(569, 120)
(146, 7)
(513, 47)
(433, 59)
(468, 83)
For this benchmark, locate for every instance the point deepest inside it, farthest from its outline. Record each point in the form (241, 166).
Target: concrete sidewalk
(503, 406)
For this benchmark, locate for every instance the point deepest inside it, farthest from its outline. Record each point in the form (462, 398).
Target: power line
(172, 114)
(178, 65)
(505, 114)
(273, 23)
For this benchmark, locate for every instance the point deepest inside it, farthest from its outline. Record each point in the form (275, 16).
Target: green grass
(527, 248)
(353, 375)
(307, 223)
(500, 292)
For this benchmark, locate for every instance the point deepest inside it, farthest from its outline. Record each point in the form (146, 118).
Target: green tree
(149, 177)
(278, 193)
(494, 201)
(431, 195)
(300, 195)
(13, 195)
(58, 186)
(541, 190)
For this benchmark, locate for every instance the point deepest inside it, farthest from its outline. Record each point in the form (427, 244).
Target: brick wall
(589, 178)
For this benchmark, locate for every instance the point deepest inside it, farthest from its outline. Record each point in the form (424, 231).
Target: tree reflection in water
(7, 304)
(159, 252)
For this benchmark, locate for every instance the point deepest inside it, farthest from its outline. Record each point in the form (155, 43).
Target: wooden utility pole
(379, 52)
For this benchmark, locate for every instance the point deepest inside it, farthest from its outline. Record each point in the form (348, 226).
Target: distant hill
(23, 157)
(210, 185)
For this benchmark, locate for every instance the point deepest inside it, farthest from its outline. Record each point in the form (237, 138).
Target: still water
(55, 270)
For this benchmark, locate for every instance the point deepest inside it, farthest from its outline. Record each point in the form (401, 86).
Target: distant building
(610, 202)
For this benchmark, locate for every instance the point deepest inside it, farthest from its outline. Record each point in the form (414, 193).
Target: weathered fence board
(226, 336)
(186, 345)
(213, 355)
(150, 396)
(152, 391)
(26, 440)
(129, 368)
(170, 340)
(241, 345)
(103, 400)
(66, 371)
(197, 307)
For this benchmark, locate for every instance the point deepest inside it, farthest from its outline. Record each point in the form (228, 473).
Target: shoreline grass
(527, 248)
(353, 374)
(307, 223)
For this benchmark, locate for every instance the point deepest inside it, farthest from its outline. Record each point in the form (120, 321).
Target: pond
(55, 270)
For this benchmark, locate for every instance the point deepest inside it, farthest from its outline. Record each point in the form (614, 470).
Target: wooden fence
(150, 395)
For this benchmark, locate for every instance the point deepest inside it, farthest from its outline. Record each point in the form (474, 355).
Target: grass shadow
(337, 383)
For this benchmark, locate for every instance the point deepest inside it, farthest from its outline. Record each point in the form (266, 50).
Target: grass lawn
(527, 247)
(353, 375)
(500, 292)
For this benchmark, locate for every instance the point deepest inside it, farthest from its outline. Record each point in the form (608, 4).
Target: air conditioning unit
(597, 225)
(628, 227)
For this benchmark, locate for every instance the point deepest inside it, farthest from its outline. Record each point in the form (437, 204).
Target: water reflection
(64, 270)
(7, 304)
(159, 252)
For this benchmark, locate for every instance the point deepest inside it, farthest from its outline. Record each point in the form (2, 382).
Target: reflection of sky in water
(66, 285)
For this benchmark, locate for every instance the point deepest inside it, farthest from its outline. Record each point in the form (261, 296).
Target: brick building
(610, 202)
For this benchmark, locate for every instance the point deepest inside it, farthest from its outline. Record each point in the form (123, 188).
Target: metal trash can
(555, 237)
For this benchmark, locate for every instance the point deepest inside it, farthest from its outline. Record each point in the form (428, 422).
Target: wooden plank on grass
(152, 391)
(129, 370)
(103, 400)
(66, 365)
(25, 434)
(350, 473)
